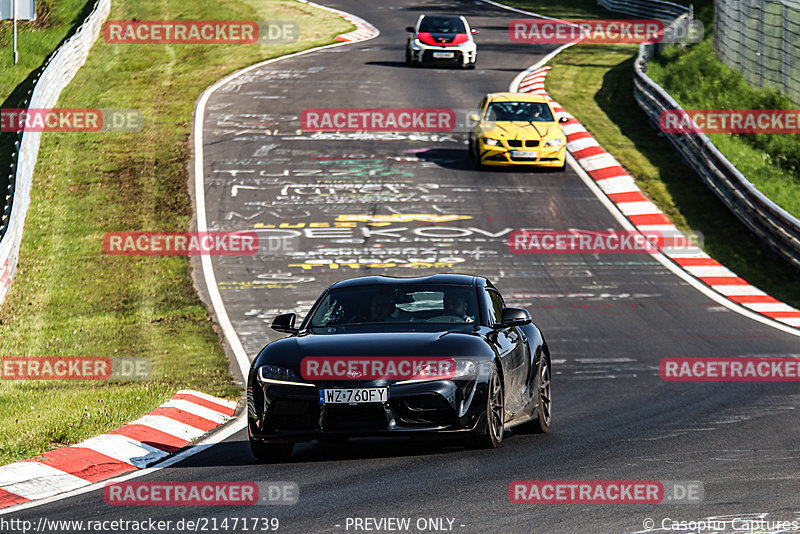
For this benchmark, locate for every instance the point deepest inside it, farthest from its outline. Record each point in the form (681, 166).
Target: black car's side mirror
(410, 29)
(514, 317)
(562, 120)
(285, 323)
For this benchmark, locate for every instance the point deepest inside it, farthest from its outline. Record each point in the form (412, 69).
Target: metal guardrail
(776, 227)
(649, 9)
(59, 69)
(761, 39)
(771, 223)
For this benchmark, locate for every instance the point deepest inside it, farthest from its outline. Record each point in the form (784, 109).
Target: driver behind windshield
(456, 304)
(382, 308)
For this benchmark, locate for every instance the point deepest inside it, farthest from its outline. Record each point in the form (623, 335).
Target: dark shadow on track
(237, 453)
(458, 159)
(398, 64)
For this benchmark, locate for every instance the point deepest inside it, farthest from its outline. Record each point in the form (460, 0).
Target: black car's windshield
(519, 111)
(442, 25)
(406, 304)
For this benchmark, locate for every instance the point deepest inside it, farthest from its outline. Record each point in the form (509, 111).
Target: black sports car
(381, 356)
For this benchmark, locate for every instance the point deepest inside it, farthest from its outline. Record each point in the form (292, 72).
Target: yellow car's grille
(518, 143)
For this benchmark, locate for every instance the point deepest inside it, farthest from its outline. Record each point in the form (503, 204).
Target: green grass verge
(68, 297)
(697, 79)
(595, 83)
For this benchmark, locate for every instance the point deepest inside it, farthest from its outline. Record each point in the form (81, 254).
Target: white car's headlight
(554, 143)
(491, 142)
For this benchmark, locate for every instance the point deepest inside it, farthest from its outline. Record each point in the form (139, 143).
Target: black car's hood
(464, 342)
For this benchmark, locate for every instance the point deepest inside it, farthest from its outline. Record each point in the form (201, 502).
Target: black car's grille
(519, 143)
(359, 417)
(349, 384)
(290, 414)
(423, 410)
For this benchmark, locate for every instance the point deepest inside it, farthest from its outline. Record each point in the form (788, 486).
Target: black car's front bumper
(282, 412)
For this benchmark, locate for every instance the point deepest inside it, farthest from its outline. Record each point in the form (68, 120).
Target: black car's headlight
(465, 370)
(275, 374)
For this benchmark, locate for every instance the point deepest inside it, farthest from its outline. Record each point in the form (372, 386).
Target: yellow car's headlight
(554, 143)
(491, 142)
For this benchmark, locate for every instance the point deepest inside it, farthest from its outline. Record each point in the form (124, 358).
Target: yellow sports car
(517, 129)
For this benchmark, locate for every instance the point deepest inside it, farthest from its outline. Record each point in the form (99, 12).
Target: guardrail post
(785, 54)
(761, 75)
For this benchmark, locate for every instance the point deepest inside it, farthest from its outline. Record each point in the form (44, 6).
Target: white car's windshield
(442, 25)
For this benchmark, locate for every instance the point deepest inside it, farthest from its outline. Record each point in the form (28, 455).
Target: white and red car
(441, 40)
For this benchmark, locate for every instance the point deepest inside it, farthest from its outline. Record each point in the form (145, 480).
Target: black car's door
(510, 345)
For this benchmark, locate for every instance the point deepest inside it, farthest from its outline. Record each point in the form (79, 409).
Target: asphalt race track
(411, 204)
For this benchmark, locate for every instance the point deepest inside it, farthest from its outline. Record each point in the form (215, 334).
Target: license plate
(444, 55)
(353, 395)
(523, 154)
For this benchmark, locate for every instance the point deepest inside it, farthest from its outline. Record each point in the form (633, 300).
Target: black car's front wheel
(492, 436)
(271, 452)
(543, 412)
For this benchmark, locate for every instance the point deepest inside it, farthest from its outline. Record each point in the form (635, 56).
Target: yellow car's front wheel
(475, 156)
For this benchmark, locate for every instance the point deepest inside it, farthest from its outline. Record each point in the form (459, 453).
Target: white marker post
(14, 16)
(17, 10)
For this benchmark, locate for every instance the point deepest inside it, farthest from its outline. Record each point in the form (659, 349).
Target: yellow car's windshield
(519, 111)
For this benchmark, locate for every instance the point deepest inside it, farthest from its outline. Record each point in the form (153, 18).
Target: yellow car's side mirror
(474, 117)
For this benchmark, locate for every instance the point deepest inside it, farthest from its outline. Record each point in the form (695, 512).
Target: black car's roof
(456, 279)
